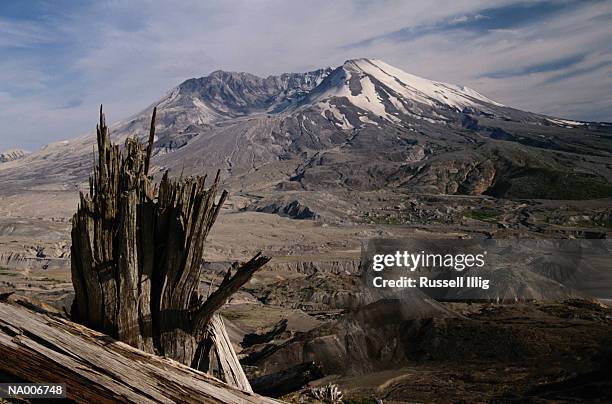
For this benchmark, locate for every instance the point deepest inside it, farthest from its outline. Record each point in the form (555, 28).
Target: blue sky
(60, 59)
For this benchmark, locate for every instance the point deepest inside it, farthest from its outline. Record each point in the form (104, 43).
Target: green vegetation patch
(482, 214)
(359, 400)
(606, 224)
(307, 291)
(543, 183)
(7, 272)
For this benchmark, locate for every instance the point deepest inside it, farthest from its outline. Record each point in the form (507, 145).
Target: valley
(318, 163)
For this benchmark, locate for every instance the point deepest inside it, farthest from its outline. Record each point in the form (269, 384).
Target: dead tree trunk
(221, 356)
(43, 348)
(136, 254)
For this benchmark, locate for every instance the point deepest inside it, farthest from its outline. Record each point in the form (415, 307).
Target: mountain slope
(378, 88)
(12, 155)
(365, 125)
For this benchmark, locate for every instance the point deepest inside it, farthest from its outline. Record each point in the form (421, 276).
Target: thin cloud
(14, 34)
(61, 63)
(551, 66)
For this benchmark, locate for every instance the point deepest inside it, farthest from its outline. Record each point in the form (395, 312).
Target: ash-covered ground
(309, 303)
(317, 163)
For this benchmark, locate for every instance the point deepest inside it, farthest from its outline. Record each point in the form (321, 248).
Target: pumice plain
(305, 202)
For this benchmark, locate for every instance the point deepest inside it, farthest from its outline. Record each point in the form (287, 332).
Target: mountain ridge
(364, 125)
(12, 155)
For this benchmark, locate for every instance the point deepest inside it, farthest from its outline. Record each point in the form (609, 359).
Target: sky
(59, 60)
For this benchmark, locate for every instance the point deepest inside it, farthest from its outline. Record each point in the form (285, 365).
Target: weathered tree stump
(137, 251)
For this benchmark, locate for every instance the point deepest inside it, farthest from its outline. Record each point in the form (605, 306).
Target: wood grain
(137, 252)
(98, 369)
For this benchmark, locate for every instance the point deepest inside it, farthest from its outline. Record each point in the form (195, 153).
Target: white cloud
(21, 34)
(128, 54)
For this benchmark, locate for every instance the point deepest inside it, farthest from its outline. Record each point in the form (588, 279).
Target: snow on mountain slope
(232, 94)
(361, 125)
(388, 92)
(420, 89)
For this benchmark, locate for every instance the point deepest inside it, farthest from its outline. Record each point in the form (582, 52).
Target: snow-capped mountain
(223, 95)
(363, 125)
(388, 92)
(188, 109)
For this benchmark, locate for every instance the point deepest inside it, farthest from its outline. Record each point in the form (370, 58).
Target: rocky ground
(537, 352)
(308, 304)
(320, 162)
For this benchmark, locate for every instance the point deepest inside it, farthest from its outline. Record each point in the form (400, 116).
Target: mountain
(12, 155)
(387, 92)
(226, 95)
(363, 126)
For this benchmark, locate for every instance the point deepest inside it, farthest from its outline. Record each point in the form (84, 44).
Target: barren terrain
(318, 163)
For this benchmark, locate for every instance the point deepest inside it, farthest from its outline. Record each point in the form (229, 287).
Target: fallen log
(41, 348)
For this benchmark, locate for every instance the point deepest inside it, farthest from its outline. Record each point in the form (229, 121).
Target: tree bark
(41, 348)
(227, 363)
(137, 251)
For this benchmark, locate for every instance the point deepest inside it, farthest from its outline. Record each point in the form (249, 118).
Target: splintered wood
(136, 257)
(42, 348)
